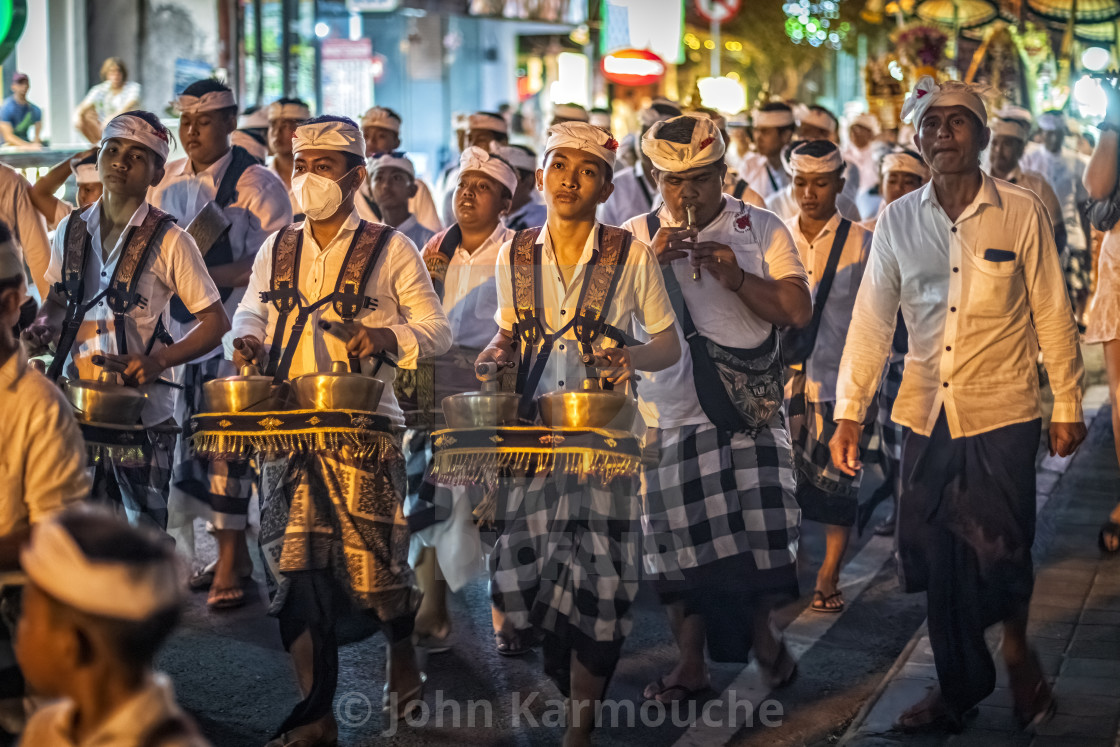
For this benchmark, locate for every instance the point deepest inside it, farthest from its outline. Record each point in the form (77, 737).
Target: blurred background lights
(1095, 58)
(815, 23)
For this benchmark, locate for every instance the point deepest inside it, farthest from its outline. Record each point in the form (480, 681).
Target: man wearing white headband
(971, 262)
(483, 128)
(1064, 170)
(733, 276)
(569, 113)
(461, 260)
(635, 191)
(83, 167)
(96, 253)
(527, 210)
(252, 133)
(1011, 132)
(44, 455)
(863, 151)
(571, 253)
(284, 116)
(784, 204)
(739, 129)
(226, 198)
(381, 128)
(393, 186)
(600, 118)
(834, 251)
(100, 601)
(773, 128)
(391, 313)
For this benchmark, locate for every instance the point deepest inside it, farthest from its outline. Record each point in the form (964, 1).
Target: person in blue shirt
(18, 115)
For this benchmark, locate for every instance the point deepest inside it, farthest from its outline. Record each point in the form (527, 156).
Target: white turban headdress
(476, 159)
(706, 146)
(515, 157)
(484, 121)
(814, 118)
(250, 143)
(775, 118)
(903, 161)
(650, 116)
(207, 102)
(131, 127)
(570, 112)
(86, 173)
(582, 136)
(600, 119)
(801, 161)
(394, 160)
(869, 122)
(118, 590)
(277, 110)
(927, 93)
(329, 136)
(1051, 121)
(379, 116)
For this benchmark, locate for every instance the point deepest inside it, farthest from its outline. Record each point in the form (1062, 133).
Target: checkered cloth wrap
(714, 495)
(140, 490)
(1078, 266)
(566, 559)
(889, 432)
(337, 512)
(812, 426)
(215, 490)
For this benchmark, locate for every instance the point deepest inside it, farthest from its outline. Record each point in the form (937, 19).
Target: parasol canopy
(961, 14)
(1088, 11)
(1095, 33)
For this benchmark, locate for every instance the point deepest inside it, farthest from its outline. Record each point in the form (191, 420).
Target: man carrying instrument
(461, 261)
(571, 294)
(369, 281)
(724, 459)
(114, 268)
(229, 203)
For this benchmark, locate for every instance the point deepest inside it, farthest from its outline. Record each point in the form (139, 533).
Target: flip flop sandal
(884, 528)
(203, 579)
(686, 693)
(294, 738)
(783, 672)
(434, 644)
(517, 643)
(947, 721)
(226, 599)
(820, 603)
(406, 703)
(1109, 529)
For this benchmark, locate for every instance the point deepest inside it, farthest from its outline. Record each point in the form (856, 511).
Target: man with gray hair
(971, 261)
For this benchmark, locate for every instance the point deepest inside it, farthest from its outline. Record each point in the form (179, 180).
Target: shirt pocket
(994, 287)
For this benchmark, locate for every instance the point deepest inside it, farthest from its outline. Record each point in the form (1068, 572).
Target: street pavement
(857, 669)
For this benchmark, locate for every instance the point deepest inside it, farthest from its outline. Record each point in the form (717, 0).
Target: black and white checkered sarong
(889, 432)
(714, 495)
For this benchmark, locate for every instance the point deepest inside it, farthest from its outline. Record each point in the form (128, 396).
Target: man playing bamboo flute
(552, 525)
(971, 260)
(114, 269)
(724, 459)
(332, 528)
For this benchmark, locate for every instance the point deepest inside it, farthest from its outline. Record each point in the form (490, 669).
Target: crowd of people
(794, 301)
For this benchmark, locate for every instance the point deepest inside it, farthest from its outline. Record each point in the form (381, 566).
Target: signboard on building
(632, 67)
(656, 25)
(717, 11)
(347, 75)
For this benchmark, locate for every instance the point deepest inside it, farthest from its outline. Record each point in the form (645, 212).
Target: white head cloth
(650, 116)
(207, 102)
(276, 111)
(329, 136)
(86, 174)
(1051, 121)
(776, 118)
(869, 122)
(905, 162)
(484, 121)
(256, 148)
(1015, 128)
(582, 136)
(927, 93)
(570, 112)
(515, 157)
(807, 164)
(390, 161)
(476, 159)
(258, 120)
(131, 127)
(600, 119)
(706, 147)
(11, 259)
(120, 591)
(742, 119)
(379, 116)
(814, 118)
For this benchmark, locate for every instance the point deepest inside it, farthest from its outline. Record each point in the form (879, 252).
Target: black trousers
(966, 522)
(317, 604)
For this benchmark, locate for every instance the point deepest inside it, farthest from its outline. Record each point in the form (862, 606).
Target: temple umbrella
(1082, 11)
(1096, 33)
(957, 14)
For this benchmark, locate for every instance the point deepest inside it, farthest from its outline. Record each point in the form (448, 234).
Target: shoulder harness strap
(227, 188)
(600, 285)
(525, 262)
(368, 245)
(438, 253)
(122, 295)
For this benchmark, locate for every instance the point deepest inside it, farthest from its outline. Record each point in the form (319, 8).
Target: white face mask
(319, 197)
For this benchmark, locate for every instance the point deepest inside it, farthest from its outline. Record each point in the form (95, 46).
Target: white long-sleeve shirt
(979, 295)
(823, 364)
(470, 293)
(399, 284)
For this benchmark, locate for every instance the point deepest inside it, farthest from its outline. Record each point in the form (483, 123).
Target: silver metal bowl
(589, 408)
(337, 390)
(247, 392)
(105, 400)
(488, 408)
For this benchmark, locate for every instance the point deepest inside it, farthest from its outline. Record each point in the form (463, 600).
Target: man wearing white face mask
(390, 311)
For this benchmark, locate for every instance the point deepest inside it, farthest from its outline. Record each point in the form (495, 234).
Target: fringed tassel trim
(365, 444)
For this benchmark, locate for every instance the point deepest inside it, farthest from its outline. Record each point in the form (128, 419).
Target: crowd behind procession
(791, 301)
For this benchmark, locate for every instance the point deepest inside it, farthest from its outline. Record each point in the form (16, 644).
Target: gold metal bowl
(590, 408)
(247, 392)
(481, 409)
(105, 400)
(337, 389)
